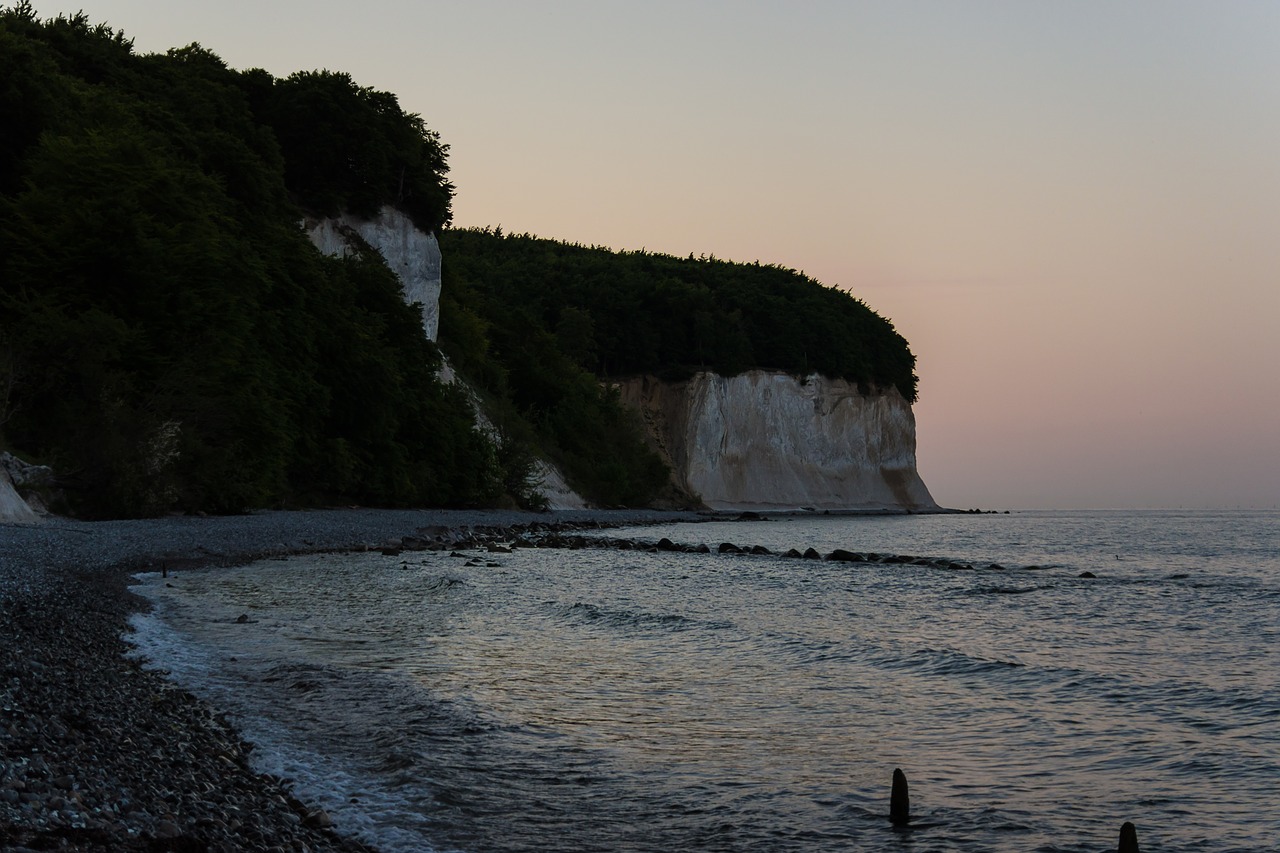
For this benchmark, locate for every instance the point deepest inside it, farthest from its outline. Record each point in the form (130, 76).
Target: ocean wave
(442, 583)
(621, 618)
(1005, 590)
(948, 662)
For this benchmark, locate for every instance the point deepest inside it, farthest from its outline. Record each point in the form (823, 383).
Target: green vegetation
(626, 313)
(536, 323)
(170, 339)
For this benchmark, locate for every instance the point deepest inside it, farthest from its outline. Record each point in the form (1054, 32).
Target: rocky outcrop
(413, 255)
(767, 440)
(550, 483)
(13, 509)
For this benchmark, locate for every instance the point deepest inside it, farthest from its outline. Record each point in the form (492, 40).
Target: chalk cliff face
(765, 440)
(411, 254)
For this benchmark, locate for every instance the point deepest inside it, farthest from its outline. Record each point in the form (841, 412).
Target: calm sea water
(619, 700)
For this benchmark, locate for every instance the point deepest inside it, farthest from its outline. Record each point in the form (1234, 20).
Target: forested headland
(170, 340)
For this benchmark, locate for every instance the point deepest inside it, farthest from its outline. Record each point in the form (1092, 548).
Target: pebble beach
(98, 753)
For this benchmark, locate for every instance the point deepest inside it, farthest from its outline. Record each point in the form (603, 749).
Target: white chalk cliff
(766, 440)
(413, 255)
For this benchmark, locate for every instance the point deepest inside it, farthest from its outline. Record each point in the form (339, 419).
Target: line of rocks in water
(566, 536)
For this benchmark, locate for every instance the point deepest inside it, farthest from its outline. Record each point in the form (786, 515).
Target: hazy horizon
(1069, 210)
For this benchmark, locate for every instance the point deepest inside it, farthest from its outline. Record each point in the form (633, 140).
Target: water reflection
(622, 700)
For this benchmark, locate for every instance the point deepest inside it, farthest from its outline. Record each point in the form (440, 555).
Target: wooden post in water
(900, 800)
(1128, 839)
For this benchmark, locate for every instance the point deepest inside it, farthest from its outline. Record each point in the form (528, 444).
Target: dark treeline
(169, 339)
(626, 313)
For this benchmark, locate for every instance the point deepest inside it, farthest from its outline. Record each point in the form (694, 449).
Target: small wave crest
(949, 662)
(593, 614)
(443, 583)
(1001, 589)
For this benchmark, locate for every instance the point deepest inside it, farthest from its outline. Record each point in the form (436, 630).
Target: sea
(638, 700)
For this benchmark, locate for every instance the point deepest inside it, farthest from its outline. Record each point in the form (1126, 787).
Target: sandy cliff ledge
(767, 440)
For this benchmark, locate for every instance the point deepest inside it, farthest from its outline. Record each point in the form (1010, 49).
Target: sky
(1071, 210)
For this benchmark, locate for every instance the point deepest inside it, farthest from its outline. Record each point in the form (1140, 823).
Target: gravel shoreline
(100, 754)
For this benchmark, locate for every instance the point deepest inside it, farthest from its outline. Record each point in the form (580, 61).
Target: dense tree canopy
(168, 336)
(621, 313)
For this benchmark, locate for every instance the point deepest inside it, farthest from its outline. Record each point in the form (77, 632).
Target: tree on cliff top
(351, 148)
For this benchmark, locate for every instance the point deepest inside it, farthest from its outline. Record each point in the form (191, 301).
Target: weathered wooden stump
(900, 800)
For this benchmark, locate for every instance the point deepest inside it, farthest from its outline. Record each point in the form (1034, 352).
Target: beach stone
(729, 548)
(841, 556)
(811, 554)
(319, 819)
(167, 829)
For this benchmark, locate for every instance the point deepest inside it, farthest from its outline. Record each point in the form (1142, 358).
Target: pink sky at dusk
(1071, 210)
